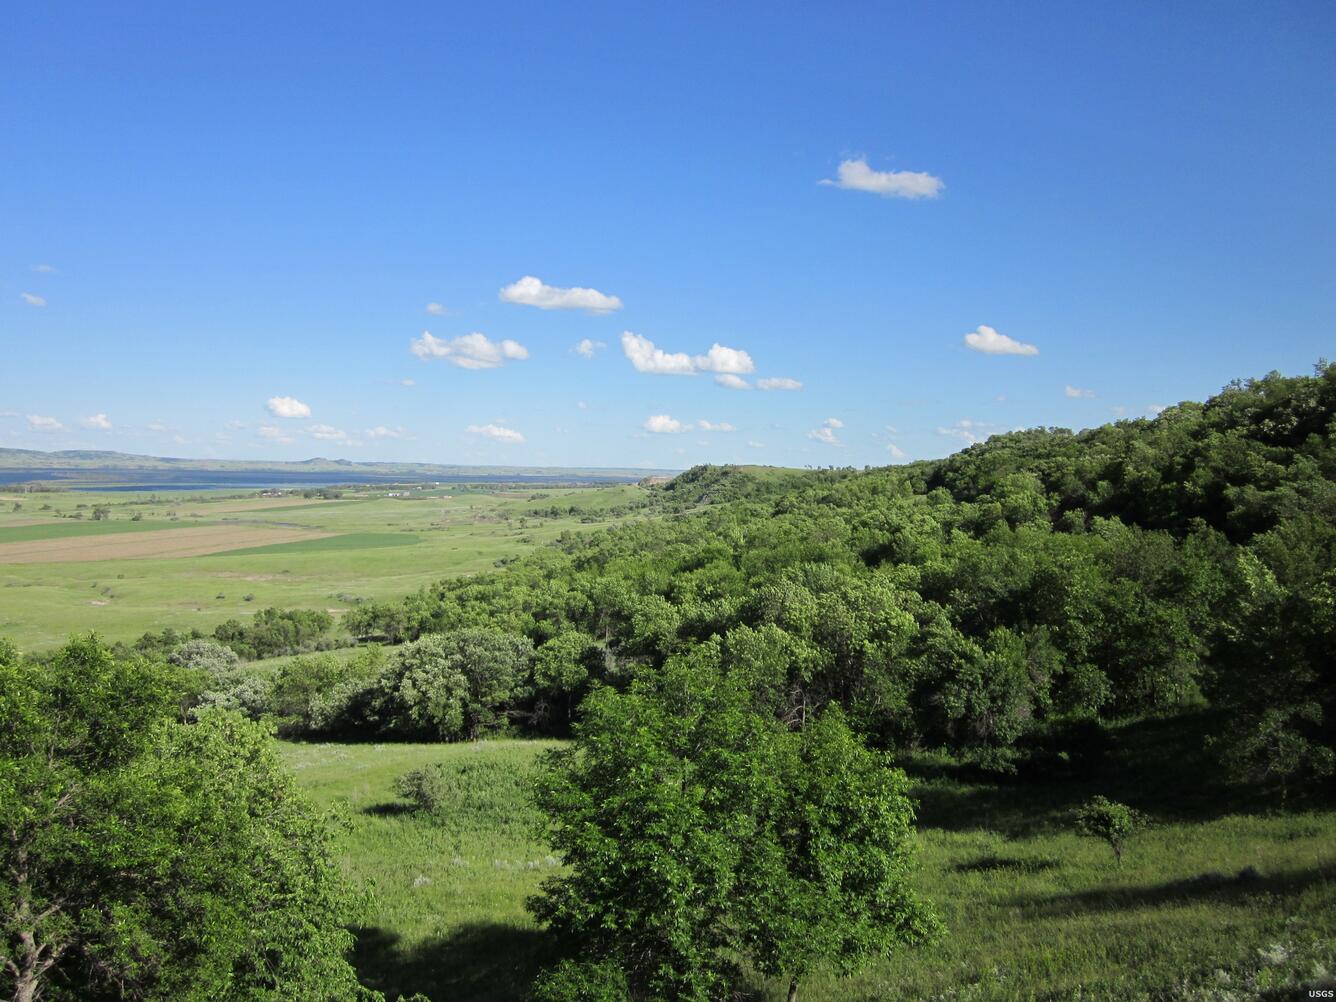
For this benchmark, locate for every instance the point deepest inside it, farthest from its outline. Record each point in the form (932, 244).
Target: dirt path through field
(158, 545)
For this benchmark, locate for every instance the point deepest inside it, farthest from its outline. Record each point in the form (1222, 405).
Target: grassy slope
(462, 533)
(1033, 910)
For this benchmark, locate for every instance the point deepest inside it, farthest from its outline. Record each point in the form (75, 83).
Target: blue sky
(213, 218)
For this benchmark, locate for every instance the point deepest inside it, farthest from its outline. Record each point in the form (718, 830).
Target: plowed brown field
(157, 545)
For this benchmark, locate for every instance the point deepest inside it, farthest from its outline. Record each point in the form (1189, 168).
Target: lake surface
(202, 480)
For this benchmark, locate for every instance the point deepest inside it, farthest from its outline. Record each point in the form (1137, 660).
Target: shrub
(1109, 820)
(205, 655)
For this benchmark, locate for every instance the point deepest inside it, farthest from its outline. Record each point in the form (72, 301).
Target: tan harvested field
(157, 545)
(264, 504)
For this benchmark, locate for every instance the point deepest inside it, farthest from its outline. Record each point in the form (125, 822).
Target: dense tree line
(1037, 579)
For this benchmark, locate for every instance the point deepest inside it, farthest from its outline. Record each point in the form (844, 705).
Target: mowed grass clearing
(343, 555)
(1201, 906)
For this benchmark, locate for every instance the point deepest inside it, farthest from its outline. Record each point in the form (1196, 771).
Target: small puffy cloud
(587, 347)
(40, 422)
(662, 424)
(647, 358)
(725, 360)
(157, 426)
(98, 421)
(408, 382)
(713, 426)
(857, 175)
(755, 445)
(435, 309)
(470, 351)
(990, 342)
(1156, 408)
(274, 434)
(968, 431)
(1077, 393)
(380, 431)
(895, 451)
(826, 433)
(778, 383)
(499, 433)
(31, 299)
(582, 405)
(732, 382)
(288, 407)
(530, 291)
(44, 269)
(328, 433)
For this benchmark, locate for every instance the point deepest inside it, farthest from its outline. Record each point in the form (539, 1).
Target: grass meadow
(1210, 902)
(365, 546)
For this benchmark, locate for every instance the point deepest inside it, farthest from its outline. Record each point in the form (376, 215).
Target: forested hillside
(1028, 585)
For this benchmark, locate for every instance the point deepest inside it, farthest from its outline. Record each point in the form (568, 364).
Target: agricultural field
(166, 560)
(1207, 899)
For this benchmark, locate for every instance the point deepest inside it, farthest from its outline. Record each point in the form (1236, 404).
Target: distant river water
(201, 480)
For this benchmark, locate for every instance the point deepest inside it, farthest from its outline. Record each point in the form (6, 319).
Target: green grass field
(1207, 903)
(383, 547)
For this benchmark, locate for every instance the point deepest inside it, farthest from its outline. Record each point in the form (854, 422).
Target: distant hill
(93, 461)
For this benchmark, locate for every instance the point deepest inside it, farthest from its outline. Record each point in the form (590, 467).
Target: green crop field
(377, 546)
(1206, 900)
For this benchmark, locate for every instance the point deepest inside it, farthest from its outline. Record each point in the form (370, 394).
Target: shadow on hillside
(1160, 766)
(390, 809)
(481, 962)
(994, 864)
(1225, 889)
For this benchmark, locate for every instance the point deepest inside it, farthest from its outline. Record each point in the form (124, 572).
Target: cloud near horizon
(988, 341)
(663, 424)
(469, 351)
(530, 291)
(40, 422)
(287, 407)
(778, 383)
(497, 432)
(857, 175)
(99, 421)
(826, 433)
(1077, 393)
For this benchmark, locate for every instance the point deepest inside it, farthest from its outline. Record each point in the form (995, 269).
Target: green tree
(698, 827)
(1111, 821)
(147, 859)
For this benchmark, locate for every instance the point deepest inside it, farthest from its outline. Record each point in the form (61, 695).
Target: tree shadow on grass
(477, 962)
(1225, 889)
(994, 864)
(390, 809)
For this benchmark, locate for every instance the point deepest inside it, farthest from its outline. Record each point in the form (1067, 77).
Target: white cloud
(1077, 393)
(328, 433)
(826, 433)
(1156, 408)
(32, 300)
(40, 422)
(497, 432)
(755, 445)
(856, 175)
(582, 405)
(288, 407)
(408, 382)
(732, 382)
(157, 426)
(44, 269)
(891, 429)
(895, 451)
(471, 351)
(529, 291)
(662, 424)
(712, 426)
(380, 431)
(779, 383)
(725, 360)
(274, 434)
(968, 431)
(435, 309)
(587, 347)
(98, 421)
(647, 358)
(719, 359)
(990, 342)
